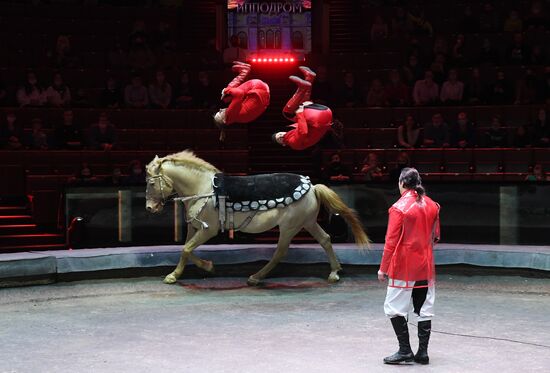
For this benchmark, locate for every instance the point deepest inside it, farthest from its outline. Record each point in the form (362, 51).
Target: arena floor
(289, 325)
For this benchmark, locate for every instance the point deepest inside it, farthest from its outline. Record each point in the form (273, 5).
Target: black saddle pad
(261, 192)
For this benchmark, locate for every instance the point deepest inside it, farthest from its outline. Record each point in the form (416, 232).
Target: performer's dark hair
(411, 180)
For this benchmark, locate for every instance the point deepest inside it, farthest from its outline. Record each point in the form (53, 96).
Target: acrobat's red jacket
(249, 101)
(310, 127)
(413, 228)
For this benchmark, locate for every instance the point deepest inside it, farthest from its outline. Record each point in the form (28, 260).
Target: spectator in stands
(513, 23)
(543, 92)
(349, 94)
(206, 96)
(58, 94)
(452, 90)
(160, 91)
(3, 94)
(377, 94)
(487, 54)
(537, 174)
(116, 178)
(518, 52)
(458, 53)
(334, 138)
(379, 30)
(102, 134)
(234, 52)
(500, 92)
(463, 132)
(403, 161)
(31, 93)
(469, 23)
(68, 135)
(117, 56)
(11, 134)
(538, 56)
(37, 138)
(140, 57)
(183, 94)
(135, 94)
(440, 46)
(438, 69)
(397, 92)
(322, 89)
(426, 91)
(408, 133)
(83, 177)
(541, 129)
(536, 20)
(138, 37)
(526, 88)
(419, 24)
(81, 99)
(489, 19)
(163, 39)
(522, 138)
(137, 174)
(416, 48)
(210, 56)
(371, 168)
(412, 72)
(62, 56)
(336, 172)
(111, 96)
(496, 136)
(436, 133)
(399, 25)
(474, 90)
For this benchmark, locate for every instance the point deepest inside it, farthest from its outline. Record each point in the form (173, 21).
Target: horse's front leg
(198, 238)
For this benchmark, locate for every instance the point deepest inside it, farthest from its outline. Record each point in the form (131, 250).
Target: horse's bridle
(161, 181)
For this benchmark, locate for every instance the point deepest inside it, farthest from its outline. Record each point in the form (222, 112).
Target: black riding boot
(424, 329)
(405, 354)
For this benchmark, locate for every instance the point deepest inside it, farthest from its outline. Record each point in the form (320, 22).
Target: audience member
(436, 133)
(371, 168)
(135, 94)
(419, 24)
(137, 174)
(102, 134)
(452, 90)
(463, 132)
(210, 56)
(500, 92)
(403, 161)
(37, 138)
(541, 129)
(469, 23)
(3, 94)
(11, 134)
(513, 23)
(160, 91)
(83, 177)
(115, 179)
(111, 96)
(379, 30)
(399, 26)
(58, 94)
(458, 53)
(349, 94)
(487, 54)
(413, 71)
(336, 172)
(537, 19)
(537, 56)
(334, 138)
(163, 38)
(234, 52)
(377, 94)
(141, 57)
(138, 37)
(496, 136)
(31, 93)
(206, 95)
(489, 19)
(408, 133)
(62, 56)
(526, 89)
(81, 99)
(68, 135)
(117, 56)
(537, 174)
(426, 91)
(522, 138)
(440, 47)
(543, 92)
(397, 93)
(518, 52)
(321, 92)
(183, 94)
(474, 91)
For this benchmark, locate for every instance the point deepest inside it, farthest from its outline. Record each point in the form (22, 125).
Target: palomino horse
(190, 177)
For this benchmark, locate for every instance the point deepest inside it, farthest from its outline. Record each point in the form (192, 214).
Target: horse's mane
(188, 158)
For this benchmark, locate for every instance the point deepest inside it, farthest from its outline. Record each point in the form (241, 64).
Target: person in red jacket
(247, 99)
(407, 261)
(312, 121)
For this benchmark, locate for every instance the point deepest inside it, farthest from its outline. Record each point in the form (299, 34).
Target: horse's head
(159, 187)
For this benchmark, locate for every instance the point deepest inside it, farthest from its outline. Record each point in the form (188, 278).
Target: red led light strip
(273, 60)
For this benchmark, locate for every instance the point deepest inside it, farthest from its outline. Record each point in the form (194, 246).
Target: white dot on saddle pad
(305, 186)
(297, 195)
(263, 201)
(303, 191)
(280, 200)
(246, 203)
(281, 206)
(304, 180)
(263, 207)
(298, 188)
(271, 204)
(245, 208)
(288, 200)
(237, 206)
(254, 205)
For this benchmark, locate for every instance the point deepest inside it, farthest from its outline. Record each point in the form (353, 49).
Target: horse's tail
(334, 204)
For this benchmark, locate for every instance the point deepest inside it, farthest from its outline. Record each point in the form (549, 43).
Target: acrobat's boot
(424, 331)
(298, 98)
(405, 354)
(309, 76)
(243, 69)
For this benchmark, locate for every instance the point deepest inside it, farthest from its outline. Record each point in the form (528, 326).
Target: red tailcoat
(249, 101)
(310, 127)
(413, 228)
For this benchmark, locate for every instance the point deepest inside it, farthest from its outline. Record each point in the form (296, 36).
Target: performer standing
(247, 99)
(407, 260)
(312, 120)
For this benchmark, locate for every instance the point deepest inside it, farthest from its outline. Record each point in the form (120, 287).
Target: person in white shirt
(58, 94)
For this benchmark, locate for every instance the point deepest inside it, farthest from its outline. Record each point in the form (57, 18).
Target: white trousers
(399, 301)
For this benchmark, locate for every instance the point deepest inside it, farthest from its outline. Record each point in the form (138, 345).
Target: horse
(191, 179)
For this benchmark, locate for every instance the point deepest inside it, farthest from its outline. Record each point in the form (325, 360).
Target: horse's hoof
(252, 281)
(170, 279)
(333, 277)
(209, 266)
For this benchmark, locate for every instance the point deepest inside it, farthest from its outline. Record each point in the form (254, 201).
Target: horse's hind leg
(285, 236)
(324, 240)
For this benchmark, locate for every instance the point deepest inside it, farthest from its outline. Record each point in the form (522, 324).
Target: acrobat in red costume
(312, 121)
(247, 99)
